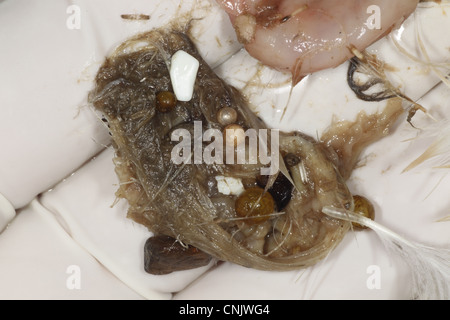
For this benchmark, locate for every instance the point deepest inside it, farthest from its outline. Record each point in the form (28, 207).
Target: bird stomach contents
(170, 153)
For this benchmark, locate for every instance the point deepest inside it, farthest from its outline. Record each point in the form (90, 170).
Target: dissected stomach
(305, 36)
(277, 222)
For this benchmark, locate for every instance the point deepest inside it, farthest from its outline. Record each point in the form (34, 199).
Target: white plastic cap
(183, 72)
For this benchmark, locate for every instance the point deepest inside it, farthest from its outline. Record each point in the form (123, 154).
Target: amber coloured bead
(255, 204)
(364, 208)
(165, 101)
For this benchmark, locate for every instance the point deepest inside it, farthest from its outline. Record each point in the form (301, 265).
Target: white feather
(430, 266)
(438, 153)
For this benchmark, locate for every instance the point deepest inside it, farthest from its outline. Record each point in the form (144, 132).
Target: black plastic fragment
(281, 190)
(361, 89)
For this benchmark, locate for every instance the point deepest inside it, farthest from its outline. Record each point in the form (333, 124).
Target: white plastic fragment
(229, 185)
(7, 212)
(183, 72)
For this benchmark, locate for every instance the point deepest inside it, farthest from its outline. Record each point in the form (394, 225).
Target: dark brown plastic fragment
(164, 255)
